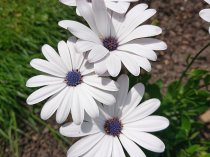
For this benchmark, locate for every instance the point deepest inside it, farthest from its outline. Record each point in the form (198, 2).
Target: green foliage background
(25, 25)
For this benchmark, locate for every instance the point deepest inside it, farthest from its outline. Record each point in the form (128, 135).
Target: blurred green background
(25, 25)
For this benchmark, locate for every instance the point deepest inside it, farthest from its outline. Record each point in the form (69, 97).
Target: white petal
(44, 92)
(100, 66)
(146, 140)
(84, 145)
(106, 74)
(103, 148)
(133, 98)
(117, 150)
(76, 58)
(134, 18)
(123, 82)
(142, 62)
(98, 52)
(68, 2)
(102, 96)
(52, 105)
(47, 67)
(77, 110)
(65, 55)
(151, 43)
(142, 32)
(139, 50)
(64, 109)
(132, 149)
(106, 112)
(143, 110)
(43, 80)
(205, 14)
(101, 82)
(102, 18)
(73, 130)
(113, 64)
(86, 68)
(77, 11)
(79, 30)
(84, 46)
(207, 1)
(88, 102)
(118, 7)
(148, 124)
(117, 20)
(86, 12)
(52, 56)
(129, 63)
(138, 60)
(124, 0)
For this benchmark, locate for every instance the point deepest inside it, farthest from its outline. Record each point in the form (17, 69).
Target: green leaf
(185, 124)
(198, 73)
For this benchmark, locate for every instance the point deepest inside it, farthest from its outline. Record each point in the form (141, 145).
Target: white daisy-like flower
(71, 83)
(116, 38)
(205, 14)
(118, 6)
(124, 125)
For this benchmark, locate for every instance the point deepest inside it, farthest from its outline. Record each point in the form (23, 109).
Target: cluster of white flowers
(77, 80)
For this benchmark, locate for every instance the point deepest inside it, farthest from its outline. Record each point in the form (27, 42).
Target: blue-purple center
(110, 43)
(73, 78)
(113, 127)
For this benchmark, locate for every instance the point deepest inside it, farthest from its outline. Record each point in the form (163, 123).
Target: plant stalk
(192, 61)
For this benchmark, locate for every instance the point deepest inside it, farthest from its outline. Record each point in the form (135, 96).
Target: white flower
(118, 6)
(116, 39)
(205, 14)
(70, 80)
(123, 125)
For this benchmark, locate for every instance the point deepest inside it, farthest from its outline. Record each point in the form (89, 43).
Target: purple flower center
(73, 78)
(113, 127)
(110, 43)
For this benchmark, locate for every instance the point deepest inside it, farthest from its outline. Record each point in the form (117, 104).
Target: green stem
(192, 61)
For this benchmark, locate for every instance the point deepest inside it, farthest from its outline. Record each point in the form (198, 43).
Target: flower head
(117, 6)
(123, 125)
(113, 39)
(71, 83)
(205, 14)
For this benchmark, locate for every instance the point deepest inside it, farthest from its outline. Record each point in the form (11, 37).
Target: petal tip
(61, 130)
(28, 101)
(165, 46)
(43, 116)
(62, 24)
(156, 102)
(59, 121)
(28, 83)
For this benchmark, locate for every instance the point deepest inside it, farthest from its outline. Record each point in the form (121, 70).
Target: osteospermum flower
(123, 125)
(205, 14)
(71, 83)
(118, 6)
(115, 38)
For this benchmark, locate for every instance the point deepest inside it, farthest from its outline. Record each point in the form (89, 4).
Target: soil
(42, 145)
(184, 32)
